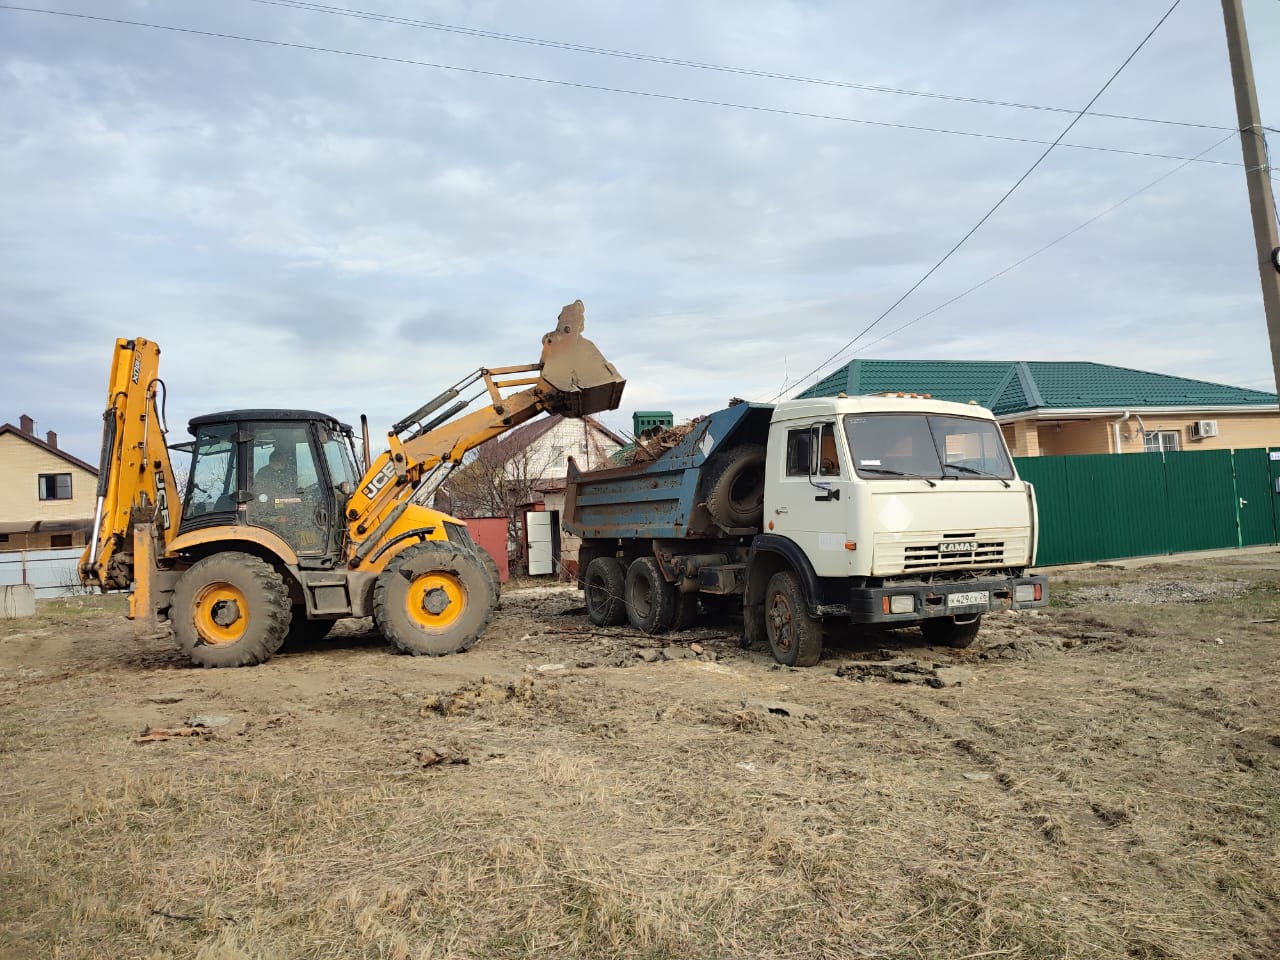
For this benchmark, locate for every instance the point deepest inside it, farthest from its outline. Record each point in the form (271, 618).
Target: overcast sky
(352, 234)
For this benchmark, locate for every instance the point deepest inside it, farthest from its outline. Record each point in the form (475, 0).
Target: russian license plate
(969, 599)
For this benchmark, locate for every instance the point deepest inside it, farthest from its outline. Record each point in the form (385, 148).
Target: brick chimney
(26, 425)
(51, 438)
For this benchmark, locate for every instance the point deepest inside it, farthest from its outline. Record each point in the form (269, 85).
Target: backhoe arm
(135, 476)
(572, 378)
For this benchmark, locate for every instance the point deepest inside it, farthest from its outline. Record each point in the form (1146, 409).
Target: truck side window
(799, 447)
(811, 451)
(828, 459)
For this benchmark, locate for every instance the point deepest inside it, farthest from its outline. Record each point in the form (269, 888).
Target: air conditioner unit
(1204, 428)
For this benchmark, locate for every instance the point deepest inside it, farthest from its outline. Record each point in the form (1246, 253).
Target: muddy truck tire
(651, 601)
(603, 587)
(795, 638)
(945, 632)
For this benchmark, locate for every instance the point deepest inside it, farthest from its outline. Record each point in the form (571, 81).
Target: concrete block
(17, 600)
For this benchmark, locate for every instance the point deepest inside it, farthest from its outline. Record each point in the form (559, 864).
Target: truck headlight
(1026, 592)
(902, 604)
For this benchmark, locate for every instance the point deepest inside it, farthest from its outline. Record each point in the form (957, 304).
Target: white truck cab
(896, 510)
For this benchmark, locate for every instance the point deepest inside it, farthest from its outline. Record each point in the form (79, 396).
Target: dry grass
(1118, 798)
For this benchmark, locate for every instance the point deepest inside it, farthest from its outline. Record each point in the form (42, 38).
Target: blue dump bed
(660, 498)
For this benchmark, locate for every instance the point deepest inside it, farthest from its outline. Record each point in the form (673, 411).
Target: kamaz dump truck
(891, 510)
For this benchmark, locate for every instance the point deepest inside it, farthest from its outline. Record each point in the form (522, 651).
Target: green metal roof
(1007, 387)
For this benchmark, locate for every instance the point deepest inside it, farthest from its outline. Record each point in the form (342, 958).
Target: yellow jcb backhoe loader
(277, 534)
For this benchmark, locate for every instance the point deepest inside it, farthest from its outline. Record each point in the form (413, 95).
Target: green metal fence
(1102, 507)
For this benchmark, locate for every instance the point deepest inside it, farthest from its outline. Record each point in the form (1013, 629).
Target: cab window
(811, 452)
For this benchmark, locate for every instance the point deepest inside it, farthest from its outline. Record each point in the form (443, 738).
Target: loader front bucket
(576, 378)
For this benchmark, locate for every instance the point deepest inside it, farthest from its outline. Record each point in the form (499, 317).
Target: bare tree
(495, 481)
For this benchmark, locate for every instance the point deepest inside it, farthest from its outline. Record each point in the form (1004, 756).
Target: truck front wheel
(795, 638)
(945, 631)
(651, 601)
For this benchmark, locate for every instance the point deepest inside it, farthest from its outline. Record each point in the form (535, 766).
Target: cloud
(308, 229)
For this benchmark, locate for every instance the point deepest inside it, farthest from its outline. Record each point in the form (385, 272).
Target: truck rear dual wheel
(603, 584)
(944, 631)
(434, 598)
(651, 601)
(230, 609)
(795, 638)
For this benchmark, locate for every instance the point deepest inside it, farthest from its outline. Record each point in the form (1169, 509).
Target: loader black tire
(495, 575)
(603, 583)
(795, 638)
(433, 599)
(651, 601)
(945, 632)
(303, 632)
(735, 487)
(230, 609)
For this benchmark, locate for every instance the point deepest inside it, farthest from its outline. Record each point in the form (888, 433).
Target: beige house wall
(1023, 438)
(1055, 438)
(1236, 431)
(1072, 437)
(20, 465)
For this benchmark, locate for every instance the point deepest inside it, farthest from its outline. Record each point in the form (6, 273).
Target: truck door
(813, 499)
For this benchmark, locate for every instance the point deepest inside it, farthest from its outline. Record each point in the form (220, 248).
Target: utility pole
(1262, 204)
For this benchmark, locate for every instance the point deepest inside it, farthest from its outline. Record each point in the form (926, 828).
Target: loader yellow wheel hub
(221, 612)
(436, 600)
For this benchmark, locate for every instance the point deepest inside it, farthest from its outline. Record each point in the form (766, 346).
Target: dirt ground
(1099, 780)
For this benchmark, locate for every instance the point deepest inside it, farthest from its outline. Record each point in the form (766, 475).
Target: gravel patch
(1157, 592)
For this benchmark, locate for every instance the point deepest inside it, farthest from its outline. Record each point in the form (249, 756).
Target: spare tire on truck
(735, 486)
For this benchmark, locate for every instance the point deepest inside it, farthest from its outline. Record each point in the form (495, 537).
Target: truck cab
(896, 510)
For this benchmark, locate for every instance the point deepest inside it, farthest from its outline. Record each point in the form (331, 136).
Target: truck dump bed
(660, 498)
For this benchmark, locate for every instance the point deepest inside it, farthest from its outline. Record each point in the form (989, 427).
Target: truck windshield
(890, 445)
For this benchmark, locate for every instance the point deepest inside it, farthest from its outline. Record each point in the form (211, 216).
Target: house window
(55, 486)
(60, 540)
(4, 538)
(1158, 441)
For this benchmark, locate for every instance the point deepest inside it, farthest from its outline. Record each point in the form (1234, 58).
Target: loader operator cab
(287, 471)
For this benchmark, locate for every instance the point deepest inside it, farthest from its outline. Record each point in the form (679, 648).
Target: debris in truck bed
(652, 447)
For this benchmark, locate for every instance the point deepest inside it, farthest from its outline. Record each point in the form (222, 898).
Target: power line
(701, 65)
(998, 204)
(383, 58)
(1052, 243)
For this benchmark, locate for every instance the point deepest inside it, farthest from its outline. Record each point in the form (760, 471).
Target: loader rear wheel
(433, 599)
(735, 487)
(795, 638)
(651, 601)
(230, 610)
(602, 590)
(944, 631)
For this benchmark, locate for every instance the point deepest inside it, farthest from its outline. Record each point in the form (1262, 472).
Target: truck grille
(918, 552)
(985, 553)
